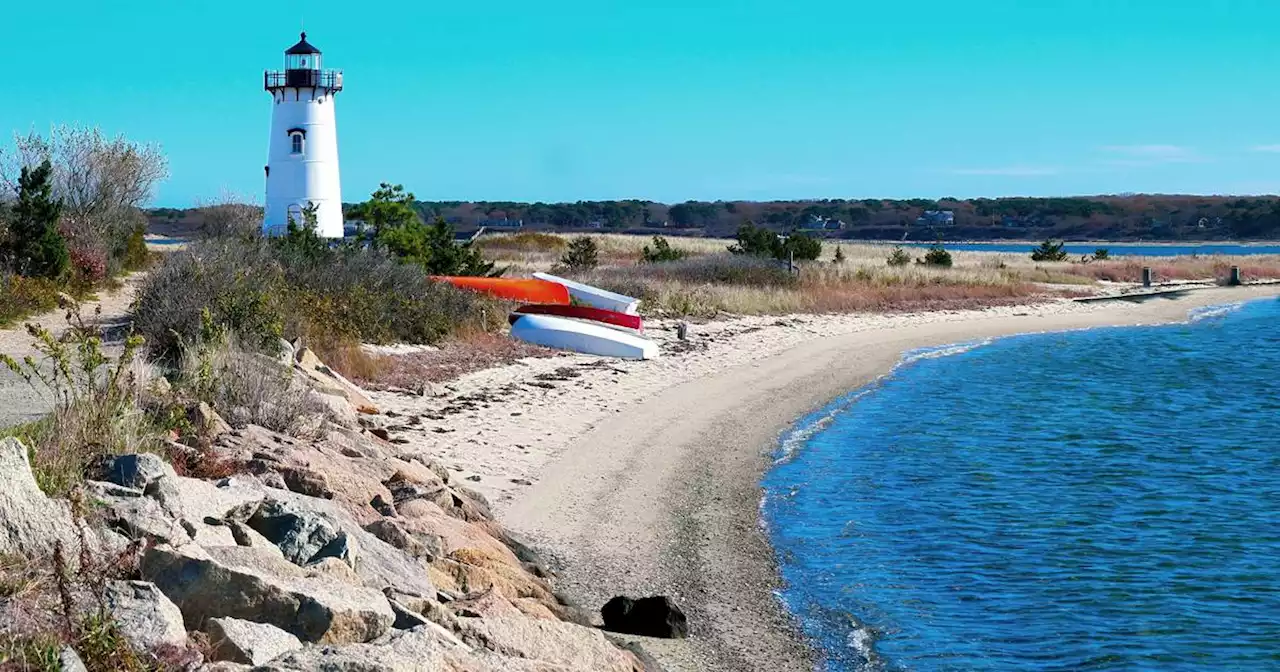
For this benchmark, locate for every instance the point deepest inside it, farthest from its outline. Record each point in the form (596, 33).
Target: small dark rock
(383, 507)
(381, 433)
(654, 616)
(474, 477)
(135, 471)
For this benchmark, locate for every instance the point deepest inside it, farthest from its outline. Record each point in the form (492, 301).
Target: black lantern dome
(303, 47)
(302, 70)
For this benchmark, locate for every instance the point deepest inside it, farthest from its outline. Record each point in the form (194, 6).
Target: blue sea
(1118, 249)
(1106, 499)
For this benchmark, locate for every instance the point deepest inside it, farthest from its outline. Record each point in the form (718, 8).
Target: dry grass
(454, 358)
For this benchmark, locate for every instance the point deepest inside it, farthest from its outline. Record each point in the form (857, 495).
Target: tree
(33, 245)
(1049, 251)
(898, 257)
(839, 256)
(433, 247)
(389, 206)
(1101, 254)
(582, 254)
(661, 252)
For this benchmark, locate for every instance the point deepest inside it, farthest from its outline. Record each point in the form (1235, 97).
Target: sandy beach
(642, 478)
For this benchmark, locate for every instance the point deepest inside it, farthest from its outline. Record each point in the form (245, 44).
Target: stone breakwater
(338, 552)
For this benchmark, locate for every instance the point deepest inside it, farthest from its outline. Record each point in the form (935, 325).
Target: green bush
(1049, 251)
(756, 241)
(583, 254)
(936, 256)
(898, 257)
(661, 252)
(1101, 254)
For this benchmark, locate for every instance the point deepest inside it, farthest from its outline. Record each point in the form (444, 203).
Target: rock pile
(334, 553)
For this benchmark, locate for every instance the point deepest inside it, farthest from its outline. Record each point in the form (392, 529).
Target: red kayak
(513, 289)
(609, 317)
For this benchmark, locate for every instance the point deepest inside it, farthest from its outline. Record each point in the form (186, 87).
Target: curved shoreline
(662, 497)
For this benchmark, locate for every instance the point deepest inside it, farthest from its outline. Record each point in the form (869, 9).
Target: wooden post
(1146, 276)
(682, 330)
(1234, 281)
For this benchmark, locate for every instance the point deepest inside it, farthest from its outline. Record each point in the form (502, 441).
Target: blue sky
(673, 100)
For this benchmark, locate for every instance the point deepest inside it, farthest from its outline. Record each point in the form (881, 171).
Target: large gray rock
(127, 511)
(31, 524)
(423, 648)
(252, 584)
(303, 536)
(417, 544)
(146, 617)
(239, 641)
(378, 564)
(572, 646)
(136, 470)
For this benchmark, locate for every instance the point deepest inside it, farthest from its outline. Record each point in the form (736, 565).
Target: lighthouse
(302, 160)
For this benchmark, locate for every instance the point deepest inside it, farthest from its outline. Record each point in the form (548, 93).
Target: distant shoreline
(662, 495)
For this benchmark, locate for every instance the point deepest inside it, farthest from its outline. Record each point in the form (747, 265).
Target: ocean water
(1118, 249)
(1093, 500)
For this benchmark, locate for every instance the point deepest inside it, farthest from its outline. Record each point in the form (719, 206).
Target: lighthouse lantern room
(302, 160)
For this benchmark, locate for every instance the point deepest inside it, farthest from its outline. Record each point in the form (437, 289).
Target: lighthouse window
(296, 143)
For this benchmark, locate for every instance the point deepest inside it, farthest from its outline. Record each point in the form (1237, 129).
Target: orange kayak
(524, 290)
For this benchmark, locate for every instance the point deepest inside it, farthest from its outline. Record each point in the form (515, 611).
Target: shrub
(227, 377)
(262, 291)
(800, 247)
(136, 255)
(761, 242)
(839, 258)
(33, 245)
(936, 256)
(238, 282)
(21, 296)
(898, 257)
(661, 252)
(755, 241)
(1049, 251)
(583, 254)
(1101, 254)
(95, 400)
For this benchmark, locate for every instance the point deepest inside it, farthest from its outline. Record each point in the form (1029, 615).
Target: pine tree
(34, 247)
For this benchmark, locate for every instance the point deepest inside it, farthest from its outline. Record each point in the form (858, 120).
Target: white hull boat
(594, 296)
(590, 339)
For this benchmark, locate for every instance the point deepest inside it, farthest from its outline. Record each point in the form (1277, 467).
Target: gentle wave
(1210, 312)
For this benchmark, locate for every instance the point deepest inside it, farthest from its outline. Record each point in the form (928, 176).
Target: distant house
(937, 218)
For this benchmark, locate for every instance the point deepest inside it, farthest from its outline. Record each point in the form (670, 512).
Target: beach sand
(642, 478)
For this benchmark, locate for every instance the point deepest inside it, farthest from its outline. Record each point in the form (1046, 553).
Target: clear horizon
(710, 101)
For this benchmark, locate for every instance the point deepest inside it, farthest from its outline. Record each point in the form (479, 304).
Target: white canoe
(594, 296)
(590, 339)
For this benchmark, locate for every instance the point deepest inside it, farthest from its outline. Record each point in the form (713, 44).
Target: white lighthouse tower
(302, 164)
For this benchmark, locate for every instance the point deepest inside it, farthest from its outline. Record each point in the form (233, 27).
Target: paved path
(18, 401)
